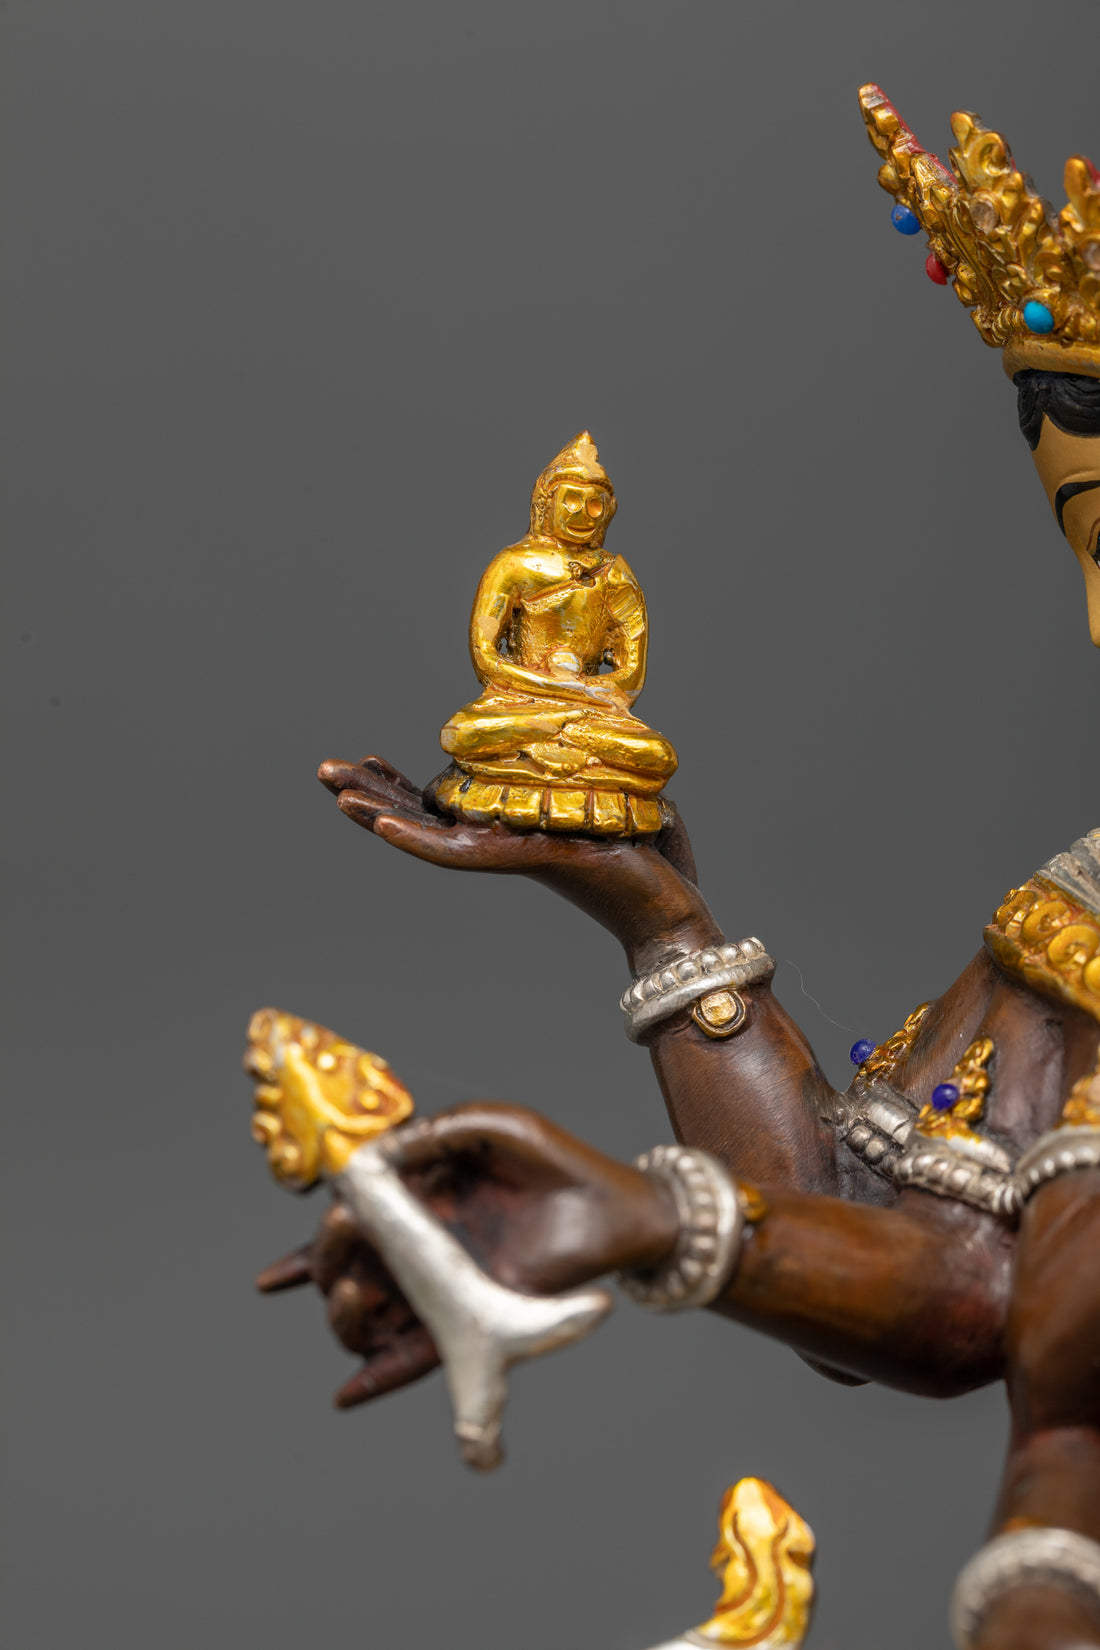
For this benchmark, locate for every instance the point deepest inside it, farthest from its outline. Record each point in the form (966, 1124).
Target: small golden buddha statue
(558, 640)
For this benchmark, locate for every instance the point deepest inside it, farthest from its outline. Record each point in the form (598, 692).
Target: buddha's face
(1069, 468)
(581, 513)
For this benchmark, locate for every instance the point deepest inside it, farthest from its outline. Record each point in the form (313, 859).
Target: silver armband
(1022, 1558)
(712, 1222)
(1059, 1152)
(719, 968)
(977, 1172)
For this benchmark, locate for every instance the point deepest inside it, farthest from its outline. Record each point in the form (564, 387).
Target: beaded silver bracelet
(1021, 1558)
(712, 1223)
(1073, 1146)
(724, 967)
(977, 1172)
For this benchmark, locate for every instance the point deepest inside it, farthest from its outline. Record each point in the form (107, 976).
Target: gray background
(300, 298)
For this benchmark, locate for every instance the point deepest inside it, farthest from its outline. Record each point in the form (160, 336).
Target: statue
(934, 1227)
(558, 639)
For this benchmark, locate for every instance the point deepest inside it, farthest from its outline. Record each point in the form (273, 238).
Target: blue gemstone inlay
(861, 1051)
(904, 221)
(1037, 317)
(944, 1096)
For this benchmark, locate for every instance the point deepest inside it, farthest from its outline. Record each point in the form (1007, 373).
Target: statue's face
(1069, 468)
(580, 513)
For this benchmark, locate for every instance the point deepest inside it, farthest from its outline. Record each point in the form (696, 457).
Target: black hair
(1069, 399)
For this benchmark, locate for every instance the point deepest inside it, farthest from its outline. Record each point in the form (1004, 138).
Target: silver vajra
(712, 1224)
(1020, 1558)
(730, 966)
(480, 1328)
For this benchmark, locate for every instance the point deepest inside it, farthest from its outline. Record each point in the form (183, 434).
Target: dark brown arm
(1052, 1475)
(912, 1296)
(758, 1101)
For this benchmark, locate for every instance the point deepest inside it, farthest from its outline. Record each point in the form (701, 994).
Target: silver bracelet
(725, 967)
(1022, 1558)
(1062, 1150)
(975, 1172)
(712, 1222)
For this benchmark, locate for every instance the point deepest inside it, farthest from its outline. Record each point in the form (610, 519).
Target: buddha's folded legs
(480, 731)
(559, 737)
(623, 742)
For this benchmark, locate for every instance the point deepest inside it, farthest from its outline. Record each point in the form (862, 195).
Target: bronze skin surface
(866, 1279)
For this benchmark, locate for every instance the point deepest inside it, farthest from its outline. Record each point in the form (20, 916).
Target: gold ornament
(971, 1078)
(882, 1064)
(720, 1014)
(999, 240)
(763, 1557)
(1041, 936)
(317, 1097)
(558, 639)
(1082, 1109)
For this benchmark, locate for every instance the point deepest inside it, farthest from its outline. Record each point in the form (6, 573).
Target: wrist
(710, 1217)
(658, 1230)
(651, 951)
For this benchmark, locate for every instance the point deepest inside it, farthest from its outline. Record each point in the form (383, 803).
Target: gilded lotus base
(611, 813)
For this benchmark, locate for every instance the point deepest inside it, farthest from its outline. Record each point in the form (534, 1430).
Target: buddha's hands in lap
(539, 1210)
(644, 893)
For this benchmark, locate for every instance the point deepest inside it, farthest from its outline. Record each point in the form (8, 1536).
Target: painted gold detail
(1082, 1109)
(558, 639)
(763, 1557)
(754, 1205)
(882, 1064)
(720, 1013)
(971, 1078)
(998, 238)
(317, 1097)
(1042, 937)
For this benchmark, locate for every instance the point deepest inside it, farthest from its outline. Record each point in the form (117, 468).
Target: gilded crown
(1030, 277)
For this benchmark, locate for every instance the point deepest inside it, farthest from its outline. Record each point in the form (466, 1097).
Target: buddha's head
(317, 1097)
(1060, 417)
(573, 499)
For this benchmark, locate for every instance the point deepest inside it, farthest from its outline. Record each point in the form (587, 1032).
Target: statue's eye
(595, 507)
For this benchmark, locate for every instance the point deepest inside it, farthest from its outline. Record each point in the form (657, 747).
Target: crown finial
(578, 460)
(1031, 279)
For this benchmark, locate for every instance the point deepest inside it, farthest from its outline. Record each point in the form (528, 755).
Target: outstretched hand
(540, 1211)
(642, 892)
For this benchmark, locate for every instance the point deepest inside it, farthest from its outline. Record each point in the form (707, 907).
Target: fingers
(289, 1273)
(460, 846)
(520, 1135)
(675, 845)
(339, 1245)
(395, 1366)
(394, 776)
(374, 775)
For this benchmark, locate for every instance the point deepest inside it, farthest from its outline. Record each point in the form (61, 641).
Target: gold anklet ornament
(763, 1558)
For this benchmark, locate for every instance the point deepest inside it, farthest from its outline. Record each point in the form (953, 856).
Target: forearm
(1051, 1482)
(758, 1100)
(912, 1296)
(1052, 1474)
